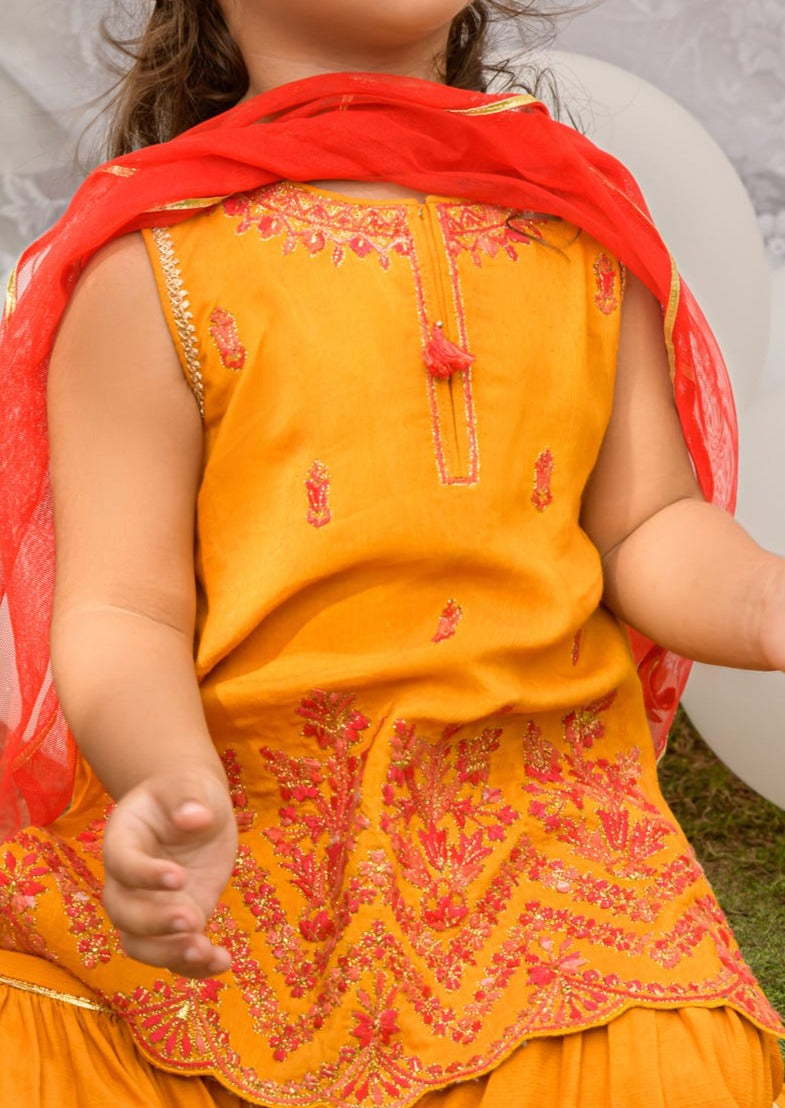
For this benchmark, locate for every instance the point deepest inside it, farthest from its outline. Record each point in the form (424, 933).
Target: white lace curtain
(723, 59)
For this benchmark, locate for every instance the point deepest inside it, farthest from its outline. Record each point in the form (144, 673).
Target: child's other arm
(126, 454)
(676, 568)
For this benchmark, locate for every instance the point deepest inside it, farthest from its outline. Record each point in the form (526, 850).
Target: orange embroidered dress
(452, 839)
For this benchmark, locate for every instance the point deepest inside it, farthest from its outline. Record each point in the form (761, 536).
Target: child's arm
(126, 451)
(679, 570)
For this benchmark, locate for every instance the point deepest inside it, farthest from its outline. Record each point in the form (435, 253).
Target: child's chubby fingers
(148, 913)
(190, 955)
(135, 868)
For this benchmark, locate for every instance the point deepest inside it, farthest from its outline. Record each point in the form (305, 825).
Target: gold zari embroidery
(181, 309)
(53, 994)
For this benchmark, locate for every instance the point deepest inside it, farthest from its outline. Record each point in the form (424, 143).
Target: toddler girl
(375, 411)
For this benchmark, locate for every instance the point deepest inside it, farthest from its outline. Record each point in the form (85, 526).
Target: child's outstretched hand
(169, 850)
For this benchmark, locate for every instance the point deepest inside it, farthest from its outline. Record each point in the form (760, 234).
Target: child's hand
(169, 850)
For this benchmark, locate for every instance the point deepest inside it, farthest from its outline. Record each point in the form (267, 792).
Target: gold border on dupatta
(191, 204)
(10, 294)
(505, 105)
(669, 323)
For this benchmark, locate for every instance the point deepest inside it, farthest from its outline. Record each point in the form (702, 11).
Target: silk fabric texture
(496, 148)
(629, 1062)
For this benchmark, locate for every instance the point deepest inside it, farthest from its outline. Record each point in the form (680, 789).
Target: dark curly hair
(185, 67)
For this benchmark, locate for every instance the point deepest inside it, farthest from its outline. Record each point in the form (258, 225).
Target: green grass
(740, 840)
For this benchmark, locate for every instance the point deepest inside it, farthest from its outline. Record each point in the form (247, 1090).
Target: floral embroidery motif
(483, 230)
(79, 891)
(605, 298)
(20, 883)
(317, 222)
(442, 904)
(448, 621)
(223, 332)
(180, 1021)
(436, 787)
(542, 496)
(567, 788)
(331, 823)
(575, 654)
(317, 485)
(381, 1067)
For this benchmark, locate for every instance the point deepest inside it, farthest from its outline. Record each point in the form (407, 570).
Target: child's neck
(371, 190)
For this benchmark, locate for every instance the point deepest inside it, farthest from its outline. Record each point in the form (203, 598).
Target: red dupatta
(495, 148)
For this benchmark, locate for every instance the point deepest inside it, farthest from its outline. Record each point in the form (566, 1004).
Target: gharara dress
(455, 861)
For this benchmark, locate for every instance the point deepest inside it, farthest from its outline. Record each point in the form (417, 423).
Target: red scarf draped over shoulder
(496, 148)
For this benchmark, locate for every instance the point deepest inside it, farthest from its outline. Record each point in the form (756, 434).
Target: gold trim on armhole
(181, 310)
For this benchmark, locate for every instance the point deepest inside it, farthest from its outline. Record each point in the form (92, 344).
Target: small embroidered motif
(583, 726)
(576, 646)
(317, 484)
(242, 814)
(605, 274)
(448, 621)
(223, 332)
(543, 471)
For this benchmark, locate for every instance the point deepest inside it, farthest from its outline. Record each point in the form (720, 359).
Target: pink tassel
(443, 358)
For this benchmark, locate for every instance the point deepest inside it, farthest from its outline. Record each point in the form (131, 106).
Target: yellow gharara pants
(61, 1049)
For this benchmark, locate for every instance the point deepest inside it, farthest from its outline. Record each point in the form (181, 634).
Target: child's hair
(186, 67)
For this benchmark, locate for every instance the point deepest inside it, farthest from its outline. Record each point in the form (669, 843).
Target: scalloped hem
(72, 1050)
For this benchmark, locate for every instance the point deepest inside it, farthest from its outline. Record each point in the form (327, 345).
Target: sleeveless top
(452, 838)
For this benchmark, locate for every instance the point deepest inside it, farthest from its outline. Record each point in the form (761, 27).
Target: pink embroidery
(483, 230)
(434, 794)
(448, 621)
(317, 484)
(576, 646)
(543, 471)
(316, 222)
(223, 331)
(245, 817)
(432, 916)
(605, 275)
(583, 726)
(181, 1020)
(380, 1070)
(331, 821)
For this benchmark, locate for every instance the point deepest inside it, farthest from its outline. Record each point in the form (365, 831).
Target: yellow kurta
(452, 839)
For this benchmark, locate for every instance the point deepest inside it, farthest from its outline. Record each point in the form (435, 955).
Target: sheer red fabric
(496, 148)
